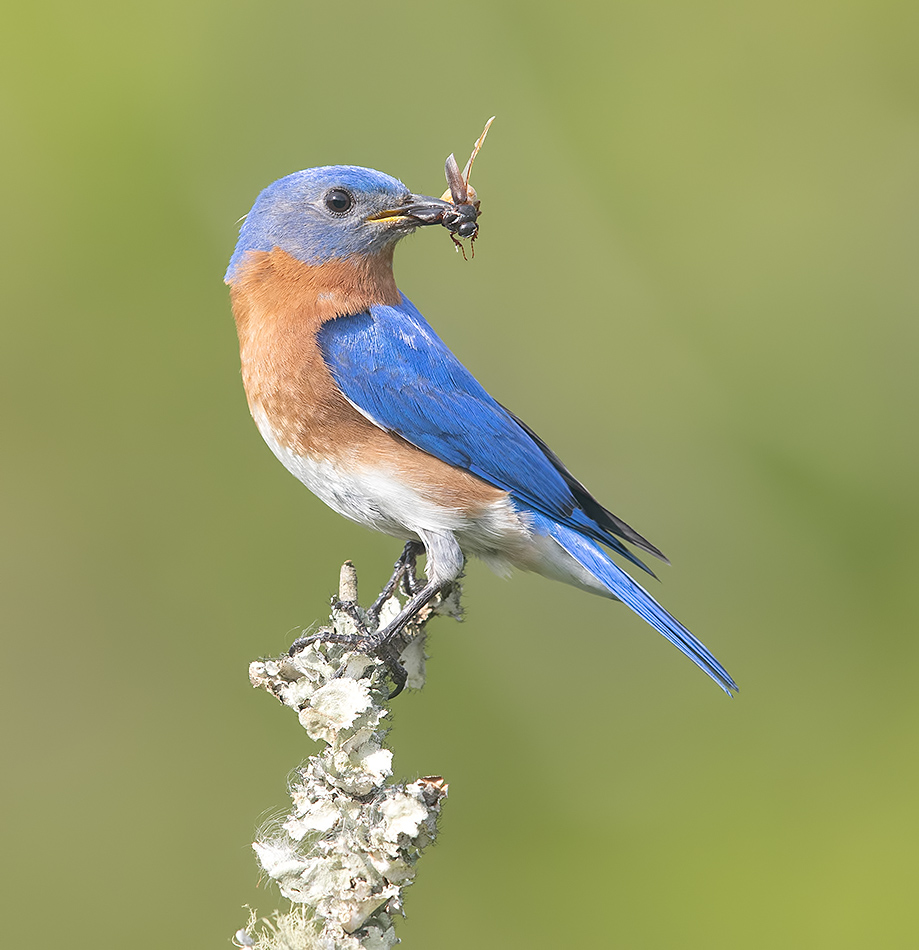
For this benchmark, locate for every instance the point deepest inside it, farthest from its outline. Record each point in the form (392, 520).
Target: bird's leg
(386, 639)
(410, 582)
(403, 570)
(384, 642)
(414, 606)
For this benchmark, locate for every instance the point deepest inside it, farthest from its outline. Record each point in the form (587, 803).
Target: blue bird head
(333, 212)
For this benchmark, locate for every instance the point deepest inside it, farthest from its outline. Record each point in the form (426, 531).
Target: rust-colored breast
(279, 304)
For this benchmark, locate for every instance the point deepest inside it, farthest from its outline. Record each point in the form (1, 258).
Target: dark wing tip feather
(606, 519)
(590, 506)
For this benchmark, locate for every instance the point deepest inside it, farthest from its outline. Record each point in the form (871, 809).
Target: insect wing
(479, 142)
(455, 180)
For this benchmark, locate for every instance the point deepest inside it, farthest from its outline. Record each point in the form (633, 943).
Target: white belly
(499, 534)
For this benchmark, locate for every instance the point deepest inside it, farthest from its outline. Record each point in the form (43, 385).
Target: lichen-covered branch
(350, 844)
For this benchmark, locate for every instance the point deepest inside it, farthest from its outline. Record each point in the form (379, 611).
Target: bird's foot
(368, 637)
(386, 642)
(364, 641)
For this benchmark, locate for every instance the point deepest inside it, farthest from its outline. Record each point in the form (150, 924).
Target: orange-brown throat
(275, 281)
(279, 303)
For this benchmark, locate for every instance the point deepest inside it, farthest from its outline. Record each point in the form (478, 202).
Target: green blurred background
(696, 279)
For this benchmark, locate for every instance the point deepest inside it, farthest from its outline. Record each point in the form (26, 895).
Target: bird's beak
(414, 211)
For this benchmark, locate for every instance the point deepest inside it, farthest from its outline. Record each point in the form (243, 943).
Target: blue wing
(391, 365)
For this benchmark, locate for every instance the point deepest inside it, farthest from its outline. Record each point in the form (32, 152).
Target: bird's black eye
(339, 201)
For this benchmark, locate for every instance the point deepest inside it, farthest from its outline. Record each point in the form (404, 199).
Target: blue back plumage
(392, 365)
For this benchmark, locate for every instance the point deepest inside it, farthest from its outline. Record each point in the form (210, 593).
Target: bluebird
(360, 399)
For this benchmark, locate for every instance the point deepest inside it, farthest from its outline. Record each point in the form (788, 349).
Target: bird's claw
(369, 638)
(368, 642)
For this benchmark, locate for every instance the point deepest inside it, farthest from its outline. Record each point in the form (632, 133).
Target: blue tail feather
(591, 556)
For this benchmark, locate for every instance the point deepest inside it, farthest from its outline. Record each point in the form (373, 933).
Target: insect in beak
(463, 220)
